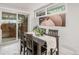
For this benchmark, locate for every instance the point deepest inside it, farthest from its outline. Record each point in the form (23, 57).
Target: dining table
(50, 40)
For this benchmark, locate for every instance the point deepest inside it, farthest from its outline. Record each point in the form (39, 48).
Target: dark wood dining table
(41, 40)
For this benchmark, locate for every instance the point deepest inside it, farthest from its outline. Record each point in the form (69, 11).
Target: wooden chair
(53, 51)
(44, 49)
(29, 44)
(22, 44)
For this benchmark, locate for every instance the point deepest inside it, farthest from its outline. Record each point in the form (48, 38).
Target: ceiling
(23, 6)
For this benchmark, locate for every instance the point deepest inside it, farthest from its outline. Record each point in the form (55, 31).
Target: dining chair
(22, 44)
(29, 44)
(44, 49)
(53, 51)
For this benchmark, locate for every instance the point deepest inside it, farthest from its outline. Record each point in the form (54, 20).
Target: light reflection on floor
(10, 49)
(8, 39)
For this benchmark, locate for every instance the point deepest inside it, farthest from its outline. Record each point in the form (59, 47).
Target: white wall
(32, 22)
(69, 36)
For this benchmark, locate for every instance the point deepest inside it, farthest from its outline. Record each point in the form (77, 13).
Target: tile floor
(10, 49)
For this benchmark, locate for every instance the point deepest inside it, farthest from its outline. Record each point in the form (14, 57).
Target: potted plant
(39, 31)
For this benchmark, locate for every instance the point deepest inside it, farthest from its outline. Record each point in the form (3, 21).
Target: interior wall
(31, 21)
(69, 36)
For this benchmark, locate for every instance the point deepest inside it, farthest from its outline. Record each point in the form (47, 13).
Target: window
(8, 16)
(40, 13)
(21, 17)
(56, 9)
(53, 15)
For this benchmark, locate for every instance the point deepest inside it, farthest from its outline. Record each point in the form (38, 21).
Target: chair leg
(20, 49)
(46, 53)
(51, 51)
(24, 50)
(27, 51)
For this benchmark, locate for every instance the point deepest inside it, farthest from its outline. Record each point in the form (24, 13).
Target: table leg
(39, 50)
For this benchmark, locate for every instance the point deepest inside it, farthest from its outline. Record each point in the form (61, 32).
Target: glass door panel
(8, 32)
(21, 17)
(22, 24)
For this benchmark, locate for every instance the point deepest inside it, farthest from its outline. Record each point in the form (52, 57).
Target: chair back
(22, 37)
(29, 41)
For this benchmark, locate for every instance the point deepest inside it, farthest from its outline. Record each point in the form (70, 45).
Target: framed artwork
(53, 20)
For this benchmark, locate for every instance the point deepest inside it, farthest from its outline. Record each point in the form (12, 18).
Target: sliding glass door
(22, 24)
(11, 26)
(8, 23)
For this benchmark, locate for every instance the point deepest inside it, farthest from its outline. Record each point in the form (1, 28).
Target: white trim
(17, 27)
(52, 14)
(54, 27)
(4, 9)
